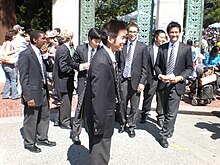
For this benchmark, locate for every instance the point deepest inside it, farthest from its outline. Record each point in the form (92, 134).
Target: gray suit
(129, 85)
(150, 88)
(170, 94)
(36, 119)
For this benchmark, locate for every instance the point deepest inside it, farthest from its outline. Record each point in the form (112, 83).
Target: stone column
(65, 15)
(169, 10)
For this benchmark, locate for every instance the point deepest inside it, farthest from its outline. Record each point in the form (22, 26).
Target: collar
(110, 53)
(36, 49)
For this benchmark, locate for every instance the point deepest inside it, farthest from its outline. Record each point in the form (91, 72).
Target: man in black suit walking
(63, 75)
(173, 66)
(152, 80)
(99, 102)
(33, 79)
(133, 77)
(82, 57)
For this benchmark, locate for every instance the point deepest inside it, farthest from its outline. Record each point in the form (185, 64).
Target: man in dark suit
(99, 102)
(34, 94)
(173, 66)
(82, 57)
(133, 77)
(63, 75)
(152, 81)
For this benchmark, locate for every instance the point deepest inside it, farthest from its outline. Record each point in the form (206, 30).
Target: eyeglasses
(130, 32)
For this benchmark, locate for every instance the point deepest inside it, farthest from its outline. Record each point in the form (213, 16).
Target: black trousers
(131, 114)
(78, 120)
(36, 122)
(65, 107)
(170, 101)
(149, 92)
(99, 149)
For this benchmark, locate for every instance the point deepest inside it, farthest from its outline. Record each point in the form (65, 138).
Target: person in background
(152, 80)
(213, 58)
(57, 32)
(8, 66)
(100, 94)
(133, 78)
(173, 66)
(35, 96)
(64, 78)
(82, 57)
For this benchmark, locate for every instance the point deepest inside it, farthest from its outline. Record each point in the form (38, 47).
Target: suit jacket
(99, 102)
(81, 56)
(151, 75)
(31, 77)
(183, 65)
(138, 66)
(63, 72)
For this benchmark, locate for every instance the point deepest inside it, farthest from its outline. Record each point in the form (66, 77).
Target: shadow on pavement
(212, 127)
(78, 155)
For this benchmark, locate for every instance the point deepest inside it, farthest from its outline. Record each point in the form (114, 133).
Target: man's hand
(176, 79)
(44, 48)
(31, 103)
(140, 88)
(85, 66)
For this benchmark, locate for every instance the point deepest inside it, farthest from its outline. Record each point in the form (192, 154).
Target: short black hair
(94, 33)
(172, 25)
(157, 33)
(189, 42)
(35, 34)
(58, 30)
(111, 28)
(132, 24)
(28, 31)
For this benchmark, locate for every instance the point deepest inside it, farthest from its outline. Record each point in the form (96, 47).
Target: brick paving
(10, 108)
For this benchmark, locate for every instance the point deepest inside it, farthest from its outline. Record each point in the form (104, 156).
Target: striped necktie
(127, 68)
(170, 65)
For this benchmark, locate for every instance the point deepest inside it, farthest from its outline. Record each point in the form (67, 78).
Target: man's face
(174, 34)
(118, 42)
(94, 43)
(27, 37)
(132, 33)
(41, 40)
(161, 39)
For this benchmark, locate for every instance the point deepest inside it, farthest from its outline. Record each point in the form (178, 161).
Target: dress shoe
(143, 120)
(131, 134)
(163, 142)
(170, 135)
(121, 129)
(160, 123)
(65, 126)
(33, 148)
(56, 123)
(76, 140)
(46, 143)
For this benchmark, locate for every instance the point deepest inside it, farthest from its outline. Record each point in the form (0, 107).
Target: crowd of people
(112, 69)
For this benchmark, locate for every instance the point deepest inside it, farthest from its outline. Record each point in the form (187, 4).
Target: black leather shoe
(33, 148)
(46, 143)
(76, 140)
(131, 134)
(163, 142)
(170, 135)
(65, 126)
(121, 129)
(143, 120)
(56, 123)
(160, 123)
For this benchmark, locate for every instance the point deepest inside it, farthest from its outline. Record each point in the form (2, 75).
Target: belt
(127, 78)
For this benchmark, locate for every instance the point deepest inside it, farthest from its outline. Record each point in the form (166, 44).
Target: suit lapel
(135, 51)
(179, 52)
(34, 56)
(85, 52)
(151, 54)
(166, 54)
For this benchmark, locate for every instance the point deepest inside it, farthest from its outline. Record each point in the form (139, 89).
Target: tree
(110, 9)
(211, 12)
(34, 14)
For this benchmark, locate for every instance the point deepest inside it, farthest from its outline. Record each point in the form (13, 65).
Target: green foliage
(211, 12)
(110, 9)
(34, 14)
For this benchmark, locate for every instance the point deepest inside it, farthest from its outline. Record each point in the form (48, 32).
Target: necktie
(117, 81)
(92, 53)
(41, 66)
(170, 65)
(127, 68)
